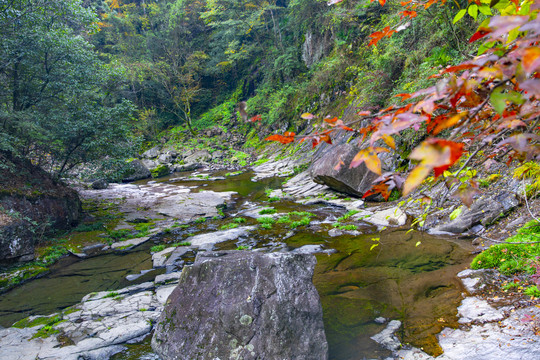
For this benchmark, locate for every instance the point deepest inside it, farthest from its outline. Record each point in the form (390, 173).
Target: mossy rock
(161, 170)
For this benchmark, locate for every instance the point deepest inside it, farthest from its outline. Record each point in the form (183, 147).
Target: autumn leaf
(255, 118)
(531, 59)
(370, 158)
(415, 178)
(286, 138)
(380, 188)
(479, 34)
(307, 116)
(466, 194)
(389, 141)
(333, 2)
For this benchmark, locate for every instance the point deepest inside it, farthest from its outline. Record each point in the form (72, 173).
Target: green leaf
(456, 213)
(459, 15)
(498, 100)
(473, 11)
(417, 243)
(485, 9)
(373, 246)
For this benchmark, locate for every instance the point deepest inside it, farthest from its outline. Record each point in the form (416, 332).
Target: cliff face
(32, 205)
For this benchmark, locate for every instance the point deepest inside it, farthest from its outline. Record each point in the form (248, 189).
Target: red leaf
(331, 121)
(453, 69)
(255, 118)
(286, 138)
(363, 113)
(403, 96)
(479, 34)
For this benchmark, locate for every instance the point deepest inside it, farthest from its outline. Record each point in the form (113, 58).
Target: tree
(53, 100)
(488, 103)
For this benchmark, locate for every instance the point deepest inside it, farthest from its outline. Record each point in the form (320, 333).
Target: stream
(393, 273)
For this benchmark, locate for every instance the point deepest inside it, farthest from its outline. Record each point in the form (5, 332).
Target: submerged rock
(257, 306)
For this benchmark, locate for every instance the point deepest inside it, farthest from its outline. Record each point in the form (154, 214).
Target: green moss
(229, 226)
(285, 219)
(200, 220)
(242, 247)
(239, 220)
(268, 211)
(532, 291)
(347, 215)
(111, 294)
(303, 222)
(266, 226)
(160, 171)
(266, 220)
(157, 248)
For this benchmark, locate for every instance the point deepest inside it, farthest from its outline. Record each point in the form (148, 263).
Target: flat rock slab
(130, 244)
(473, 309)
(219, 236)
(256, 306)
(153, 201)
(96, 328)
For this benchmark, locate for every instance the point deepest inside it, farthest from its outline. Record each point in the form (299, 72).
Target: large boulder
(198, 156)
(32, 205)
(325, 170)
(243, 305)
(151, 153)
(137, 171)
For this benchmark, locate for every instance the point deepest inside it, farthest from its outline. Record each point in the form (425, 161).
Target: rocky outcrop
(350, 181)
(256, 306)
(315, 47)
(32, 204)
(484, 211)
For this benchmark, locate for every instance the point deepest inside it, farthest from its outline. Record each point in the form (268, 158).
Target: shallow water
(397, 279)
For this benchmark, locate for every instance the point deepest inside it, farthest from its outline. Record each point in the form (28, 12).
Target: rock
(32, 205)
(313, 249)
(473, 309)
(484, 211)
(389, 217)
(257, 306)
(198, 156)
(129, 244)
(165, 158)
(100, 184)
(167, 278)
(151, 153)
(349, 181)
(219, 236)
(387, 338)
(159, 258)
(137, 171)
(150, 164)
(185, 167)
(160, 171)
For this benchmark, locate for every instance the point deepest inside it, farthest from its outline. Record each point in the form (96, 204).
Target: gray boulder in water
(356, 182)
(243, 305)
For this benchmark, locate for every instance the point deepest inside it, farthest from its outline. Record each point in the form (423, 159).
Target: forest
(397, 141)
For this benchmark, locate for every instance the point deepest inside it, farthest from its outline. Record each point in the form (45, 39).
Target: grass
(347, 215)
(200, 220)
(303, 222)
(228, 226)
(266, 220)
(532, 291)
(239, 220)
(285, 219)
(157, 248)
(518, 255)
(90, 227)
(268, 211)
(266, 226)
(242, 247)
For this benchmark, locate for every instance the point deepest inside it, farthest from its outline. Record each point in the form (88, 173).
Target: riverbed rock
(185, 167)
(349, 181)
(151, 153)
(137, 171)
(100, 184)
(198, 156)
(484, 211)
(256, 306)
(32, 205)
(209, 239)
(129, 244)
(165, 158)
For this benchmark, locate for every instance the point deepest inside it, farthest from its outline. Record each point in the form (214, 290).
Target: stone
(129, 244)
(387, 338)
(137, 171)
(185, 167)
(198, 156)
(349, 181)
(389, 217)
(159, 258)
(100, 184)
(257, 306)
(167, 278)
(483, 211)
(149, 164)
(219, 236)
(32, 206)
(151, 153)
(473, 309)
(165, 158)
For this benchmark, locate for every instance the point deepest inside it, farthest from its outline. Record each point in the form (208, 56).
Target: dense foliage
(56, 106)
